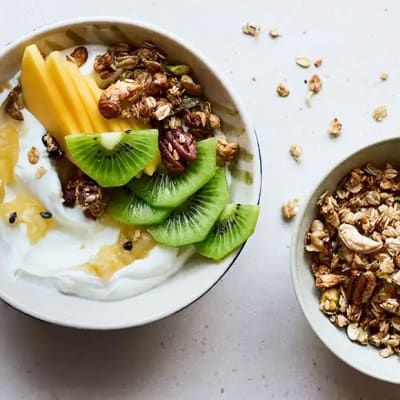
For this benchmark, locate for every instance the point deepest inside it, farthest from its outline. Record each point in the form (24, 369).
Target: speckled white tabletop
(247, 338)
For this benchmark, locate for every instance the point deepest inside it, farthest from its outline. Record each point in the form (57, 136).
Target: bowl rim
(70, 22)
(296, 237)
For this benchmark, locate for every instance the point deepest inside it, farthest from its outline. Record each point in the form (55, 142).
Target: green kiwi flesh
(113, 158)
(235, 225)
(191, 222)
(129, 209)
(165, 190)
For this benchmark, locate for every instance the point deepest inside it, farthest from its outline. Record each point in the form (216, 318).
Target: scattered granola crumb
(251, 29)
(318, 63)
(335, 127)
(384, 76)
(282, 90)
(295, 151)
(315, 84)
(33, 155)
(303, 62)
(274, 33)
(379, 113)
(289, 209)
(41, 171)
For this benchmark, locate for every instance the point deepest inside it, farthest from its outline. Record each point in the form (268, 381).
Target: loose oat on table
(315, 84)
(318, 63)
(33, 155)
(303, 61)
(335, 127)
(274, 33)
(379, 113)
(289, 209)
(354, 246)
(296, 151)
(251, 29)
(384, 76)
(282, 90)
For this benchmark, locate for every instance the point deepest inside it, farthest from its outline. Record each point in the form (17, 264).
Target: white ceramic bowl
(199, 275)
(365, 359)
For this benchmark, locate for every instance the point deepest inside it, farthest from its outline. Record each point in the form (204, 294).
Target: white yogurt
(74, 239)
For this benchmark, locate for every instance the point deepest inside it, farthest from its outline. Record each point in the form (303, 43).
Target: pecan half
(15, 103)
(78, 56)
(177, 150)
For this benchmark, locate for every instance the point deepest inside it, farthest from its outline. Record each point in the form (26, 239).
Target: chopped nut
(104, 65)
(226, 150)
(177, 150)
(303, 62)
(193, 89)
(162, 111)
(14, 103)
(328, 280)
(40, 172)
(295, 151)
(289, 209)
(318, 63)
(335, 127)
(215, 121)
(353, 240)
(379, 113)
(251, 29)
(78, 56)
(53, 148)
(315, 84)
(384, 76)
(117, 97)
(356, 333)
(274, 33)
(282, 90)
(33, 155)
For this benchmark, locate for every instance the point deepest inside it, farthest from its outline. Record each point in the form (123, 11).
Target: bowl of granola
(345, 260)
(130, 177)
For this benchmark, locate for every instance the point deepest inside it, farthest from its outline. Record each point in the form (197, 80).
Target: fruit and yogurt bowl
(116, 170)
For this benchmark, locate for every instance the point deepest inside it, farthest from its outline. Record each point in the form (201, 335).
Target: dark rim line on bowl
(220, 76)
(293, 263)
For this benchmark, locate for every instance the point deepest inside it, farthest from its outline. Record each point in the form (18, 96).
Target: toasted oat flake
(384, 76)
(251, 29)
(282, 90)
(318, 63)
(303, 62)
(33, 155)
(335, 127)
(289, 209)
(296, 151)
(379, 113)
(40, 172)
(274, 33)
(315, 84)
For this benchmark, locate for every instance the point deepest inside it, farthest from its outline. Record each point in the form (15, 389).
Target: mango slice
(42, 98)
(57, 70)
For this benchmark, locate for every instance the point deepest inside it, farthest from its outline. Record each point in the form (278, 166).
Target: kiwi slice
(113, 158)
(190, 222)
(235, 225)
(165, 190)
(129, 209)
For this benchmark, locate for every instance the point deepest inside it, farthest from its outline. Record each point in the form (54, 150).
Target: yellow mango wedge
(57, 70)
(42, 98)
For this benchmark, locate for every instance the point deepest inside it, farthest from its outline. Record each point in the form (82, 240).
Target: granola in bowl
(354, 247)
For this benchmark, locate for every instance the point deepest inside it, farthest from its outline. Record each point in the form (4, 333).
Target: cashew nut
(353, 240)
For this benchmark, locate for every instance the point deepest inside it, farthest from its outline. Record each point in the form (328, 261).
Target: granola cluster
(141, 83)
(355, 256)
